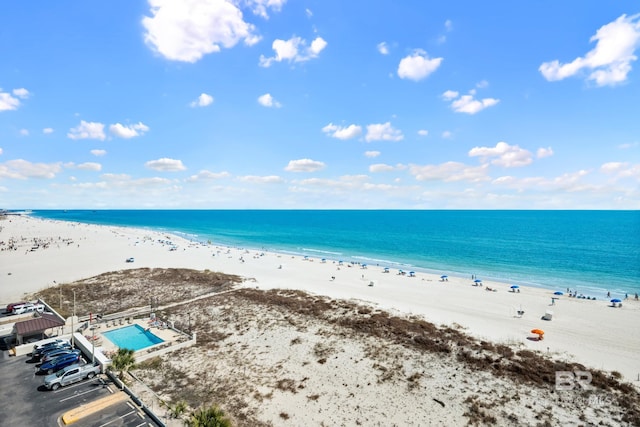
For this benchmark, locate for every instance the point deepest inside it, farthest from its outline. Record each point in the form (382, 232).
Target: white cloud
(503, 154)
(187, 30)
(87, 130)
(467, 103)
(371, 154)
(203, 100)
(23, 169)
(0, 151)
(267, 100)
(293, 50)
(417, 66)
(482, 84)
(621, 170)
(383, 48)
(423, 132)
(47, 131)
(122, 131)
(449, 172)
(166, 165)
(609, 62)
(383, 132)
(449, 95)
(205, 175)
(21, 93)
(12, 102)
(24, 132)
(447, 134)
(98, 153)
(448, 25)
(304, 165)
(271, 179)
(341, 132)
(628, 145)
(380, 167)
(544, 152)
(259, 7)
(308, 12)
(89, 166)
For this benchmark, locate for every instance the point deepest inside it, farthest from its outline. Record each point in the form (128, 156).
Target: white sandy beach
(590, 332)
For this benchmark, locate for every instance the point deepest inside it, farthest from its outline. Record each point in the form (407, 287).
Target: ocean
(589, 251)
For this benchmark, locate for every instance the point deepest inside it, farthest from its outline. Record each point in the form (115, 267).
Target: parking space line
(116, 419)
(69, 387)
(79, 394)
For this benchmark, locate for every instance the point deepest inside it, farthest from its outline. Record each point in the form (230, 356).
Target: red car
(13, 304)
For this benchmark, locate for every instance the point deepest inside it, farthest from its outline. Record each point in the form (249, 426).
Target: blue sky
(320, 104)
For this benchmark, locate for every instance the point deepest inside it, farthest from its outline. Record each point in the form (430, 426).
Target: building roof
(39, 324)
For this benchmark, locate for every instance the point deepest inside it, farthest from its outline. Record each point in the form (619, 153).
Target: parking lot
(27, 402)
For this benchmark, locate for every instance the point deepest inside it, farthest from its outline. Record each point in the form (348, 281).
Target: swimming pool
(133, 337)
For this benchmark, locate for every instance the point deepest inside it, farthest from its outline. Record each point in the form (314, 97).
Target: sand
(589, 332)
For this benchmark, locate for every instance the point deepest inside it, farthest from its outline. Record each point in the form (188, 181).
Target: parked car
(50, 343)
(61, 352)
(59, 362)
(28, 308)
(37, 354)
(70, 374)
(130, 259)
(9, 309)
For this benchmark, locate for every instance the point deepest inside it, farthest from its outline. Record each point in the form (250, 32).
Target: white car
(28, 308)
(130, 259)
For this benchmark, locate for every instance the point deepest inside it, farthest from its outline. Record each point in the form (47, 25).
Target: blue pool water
(133, 337)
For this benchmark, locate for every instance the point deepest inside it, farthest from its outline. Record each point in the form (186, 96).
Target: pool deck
(168, 335)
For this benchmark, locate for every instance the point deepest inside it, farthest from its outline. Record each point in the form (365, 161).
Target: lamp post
(73, 318)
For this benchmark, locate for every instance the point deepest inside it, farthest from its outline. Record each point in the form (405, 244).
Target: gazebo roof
(39, 324)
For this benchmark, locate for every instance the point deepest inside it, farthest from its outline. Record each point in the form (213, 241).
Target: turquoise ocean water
(591, 251)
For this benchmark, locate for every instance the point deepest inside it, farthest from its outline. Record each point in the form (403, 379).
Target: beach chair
(548, 315)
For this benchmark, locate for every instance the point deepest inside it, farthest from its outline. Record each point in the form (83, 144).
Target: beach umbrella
(515, 287)
(386, 269)
(538, 332)
(558, 293)
(616, 300)
(478, 281)
(444, 276)
(412, 273)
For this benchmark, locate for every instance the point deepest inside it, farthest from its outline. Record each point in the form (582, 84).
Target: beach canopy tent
(36, 327)
(558, 293)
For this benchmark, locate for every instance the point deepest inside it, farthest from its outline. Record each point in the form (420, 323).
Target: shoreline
(584, 285)
(587, 331)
